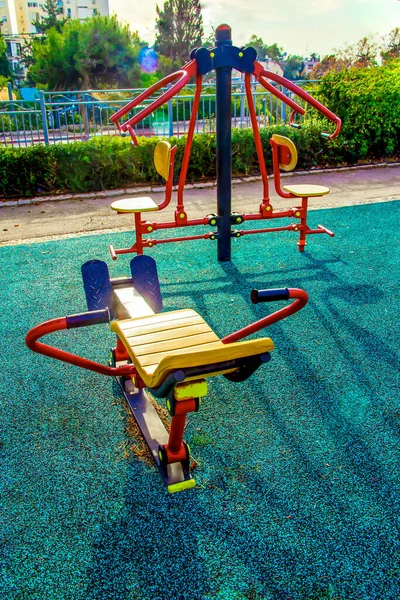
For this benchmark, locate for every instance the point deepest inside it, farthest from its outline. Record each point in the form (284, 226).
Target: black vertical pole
(224, 146)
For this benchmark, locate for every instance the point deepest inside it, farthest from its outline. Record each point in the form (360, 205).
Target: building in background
(18, 15)
(5, 18)
(14, 53)
(85, 9)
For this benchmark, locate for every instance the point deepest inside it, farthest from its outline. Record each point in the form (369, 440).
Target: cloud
(298, 26)
(316, 7)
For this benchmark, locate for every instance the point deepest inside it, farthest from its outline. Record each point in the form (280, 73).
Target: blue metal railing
(64, 117)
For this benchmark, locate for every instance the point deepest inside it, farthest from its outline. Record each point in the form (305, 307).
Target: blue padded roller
(97, 284)
(145, 281)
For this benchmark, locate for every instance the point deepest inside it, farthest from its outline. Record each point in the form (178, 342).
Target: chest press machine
(167, 354)
(222, 59)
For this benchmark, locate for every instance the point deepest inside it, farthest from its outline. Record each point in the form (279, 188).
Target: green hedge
(368, 102)
(112, 162)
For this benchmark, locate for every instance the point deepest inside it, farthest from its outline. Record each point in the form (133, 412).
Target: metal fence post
(283, 108)
(44, 117)
(170, 116)
(242, 113)
(10, 95)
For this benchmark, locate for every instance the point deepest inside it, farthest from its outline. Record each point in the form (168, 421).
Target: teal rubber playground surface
(298, 494)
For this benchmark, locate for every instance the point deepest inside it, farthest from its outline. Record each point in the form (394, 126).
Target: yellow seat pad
(306, 191)
(134, 205)
(165, 342)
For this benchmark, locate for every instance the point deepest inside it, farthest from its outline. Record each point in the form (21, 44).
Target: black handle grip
(94, 317)
(269, 295)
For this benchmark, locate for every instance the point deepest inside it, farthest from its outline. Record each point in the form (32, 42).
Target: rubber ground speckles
(298, 479)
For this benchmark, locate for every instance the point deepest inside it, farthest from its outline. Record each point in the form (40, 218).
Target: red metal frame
(187, 72)
(266, 210)
(300, 211)
(61, 323)
(73, 359)
(188, 147)
(265, 206)
(175, 449)
(261, 74)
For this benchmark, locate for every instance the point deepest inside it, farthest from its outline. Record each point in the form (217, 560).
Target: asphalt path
(55, 219)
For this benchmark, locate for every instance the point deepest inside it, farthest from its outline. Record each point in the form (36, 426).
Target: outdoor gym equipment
(170, 354)
(223, 58)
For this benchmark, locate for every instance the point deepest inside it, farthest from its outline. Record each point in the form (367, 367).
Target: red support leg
(176, 433)
(303, 225)
(176, 449)
(138, 230)
(121, 353)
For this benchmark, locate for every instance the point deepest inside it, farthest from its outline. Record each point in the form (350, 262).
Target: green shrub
(368, 102)
(112, 162)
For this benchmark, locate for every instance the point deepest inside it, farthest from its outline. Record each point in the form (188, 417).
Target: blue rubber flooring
(298, 473)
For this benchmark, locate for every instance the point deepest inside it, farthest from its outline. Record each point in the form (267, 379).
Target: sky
(299, 26)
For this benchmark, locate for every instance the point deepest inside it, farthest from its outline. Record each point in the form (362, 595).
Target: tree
(366, 52)
(180, 28)
(91, 53)
(5, 67)
(391, 45)
(329, 63)
(274, 52)
(258, 44)
(51, 18)
(293, 66)
(209, 41)
(360, 55)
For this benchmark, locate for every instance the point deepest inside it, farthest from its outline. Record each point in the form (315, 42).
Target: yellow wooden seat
(132, 205)
(162, 163)
(285, 159)
(306, 191)
(165, 342)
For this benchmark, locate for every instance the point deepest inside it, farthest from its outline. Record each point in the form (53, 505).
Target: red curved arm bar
(270, 88)
(291, 118)
(187, 72)
(57, 325)
(170, 180)
(301, 299)
(133, 136)
(257, 137)
(260, 73)
(189, 141)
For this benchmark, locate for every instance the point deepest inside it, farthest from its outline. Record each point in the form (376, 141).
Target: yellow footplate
(181, 486)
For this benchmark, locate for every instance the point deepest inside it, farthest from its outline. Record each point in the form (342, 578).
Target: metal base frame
(176, 476)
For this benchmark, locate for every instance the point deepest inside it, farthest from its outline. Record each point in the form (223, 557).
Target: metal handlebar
(183, 75)
(300, 300)
(80, 320)
(260, 74)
